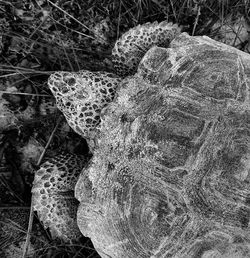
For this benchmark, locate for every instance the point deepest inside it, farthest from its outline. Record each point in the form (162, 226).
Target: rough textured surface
(53, 195)
(132, 46)
(170, 177)
(81, 96)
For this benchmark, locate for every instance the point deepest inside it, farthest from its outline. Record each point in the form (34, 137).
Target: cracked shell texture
(53, 195)
(81, 96)
(132, 46)
(170, 177)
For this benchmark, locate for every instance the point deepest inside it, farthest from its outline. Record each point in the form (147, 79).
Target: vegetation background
(38, 37)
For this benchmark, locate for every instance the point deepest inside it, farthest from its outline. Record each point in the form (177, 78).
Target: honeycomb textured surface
(81, 96)
(53, 195)
(132, 46)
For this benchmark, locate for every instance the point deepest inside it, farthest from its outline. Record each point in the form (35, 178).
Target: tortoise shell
(170, 176)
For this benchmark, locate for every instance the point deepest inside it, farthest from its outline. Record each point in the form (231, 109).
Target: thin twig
(23, 72)
(49, 141)
(119, 21)
(26, 94)
(27, 241)
(76, 59)
(15, 207)
(173, 10)
(72, 17)
(196, 19)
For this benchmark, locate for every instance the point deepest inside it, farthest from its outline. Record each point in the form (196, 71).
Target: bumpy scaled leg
(131, 47)
(53, 195)
(81, 96)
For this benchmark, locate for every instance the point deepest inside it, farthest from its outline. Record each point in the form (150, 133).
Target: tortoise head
(81, 96)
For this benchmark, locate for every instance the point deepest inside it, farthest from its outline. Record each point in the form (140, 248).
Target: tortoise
(170, 172)
(81, 96)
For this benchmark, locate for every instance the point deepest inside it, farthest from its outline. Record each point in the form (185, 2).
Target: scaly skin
(132, 46)
(81, 97)
(54, 181)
